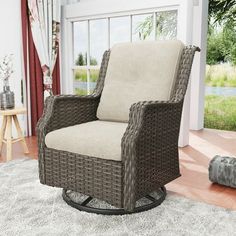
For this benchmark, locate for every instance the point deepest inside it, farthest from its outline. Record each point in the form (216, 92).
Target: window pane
(98, 40)
(119, 30)
(94, 74)
(80, 81)
(80, 43)
(142, 27)
(166, 27)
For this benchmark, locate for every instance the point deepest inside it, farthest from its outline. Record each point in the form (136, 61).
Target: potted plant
(7, 100)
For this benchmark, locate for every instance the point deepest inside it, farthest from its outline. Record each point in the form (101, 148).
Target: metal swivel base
(83, 206)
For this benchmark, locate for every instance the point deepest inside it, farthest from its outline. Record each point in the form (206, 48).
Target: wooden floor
(194, 161)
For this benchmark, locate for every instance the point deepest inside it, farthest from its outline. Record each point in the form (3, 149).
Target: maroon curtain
(35, 78)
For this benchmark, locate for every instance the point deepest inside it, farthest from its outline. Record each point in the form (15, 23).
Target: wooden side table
(6, 130)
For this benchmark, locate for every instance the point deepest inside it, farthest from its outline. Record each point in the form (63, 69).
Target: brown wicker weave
(149, 146)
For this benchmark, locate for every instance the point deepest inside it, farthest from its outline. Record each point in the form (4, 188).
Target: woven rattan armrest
(152, 127)
(66, 110)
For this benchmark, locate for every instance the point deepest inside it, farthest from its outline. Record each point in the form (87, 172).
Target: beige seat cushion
(141, 71)
(98, 139)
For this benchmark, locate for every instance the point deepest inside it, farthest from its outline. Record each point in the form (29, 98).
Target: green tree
(93, 61)
(144, 29)
(222, 10)
(222, 31)
(165, 26)
(229, 42)
(215, 48)
(80, 60)
(221, 45)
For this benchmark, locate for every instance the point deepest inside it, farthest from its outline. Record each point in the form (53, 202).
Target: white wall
(10, 43)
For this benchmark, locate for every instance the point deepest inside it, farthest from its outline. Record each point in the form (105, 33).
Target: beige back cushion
(141, 71)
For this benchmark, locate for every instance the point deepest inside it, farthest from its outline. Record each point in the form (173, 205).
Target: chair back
(140, 71)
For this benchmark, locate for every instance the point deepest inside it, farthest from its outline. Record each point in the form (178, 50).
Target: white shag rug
(30, 208)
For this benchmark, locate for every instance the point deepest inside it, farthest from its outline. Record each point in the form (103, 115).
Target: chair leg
(2, 132)
(9, 138)
(83, 206)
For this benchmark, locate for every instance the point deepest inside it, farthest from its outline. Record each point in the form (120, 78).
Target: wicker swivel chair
(120, 143)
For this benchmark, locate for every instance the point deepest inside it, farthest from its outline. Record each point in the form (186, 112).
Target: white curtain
(44, 16)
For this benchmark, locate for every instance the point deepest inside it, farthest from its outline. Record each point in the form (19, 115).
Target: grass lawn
(223, 75)
(79, 91)
(81, 75)
(220, 112)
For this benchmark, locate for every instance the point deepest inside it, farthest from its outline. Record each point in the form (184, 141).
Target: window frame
(87, 10)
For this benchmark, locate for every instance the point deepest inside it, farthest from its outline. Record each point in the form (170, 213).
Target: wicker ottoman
(222, 170)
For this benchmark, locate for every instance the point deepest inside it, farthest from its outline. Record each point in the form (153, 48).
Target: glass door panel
(142, 27)
(166, 25)
(80, 81)
(80, 43)
(97, 45)
(98, 40)
(119, 30)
